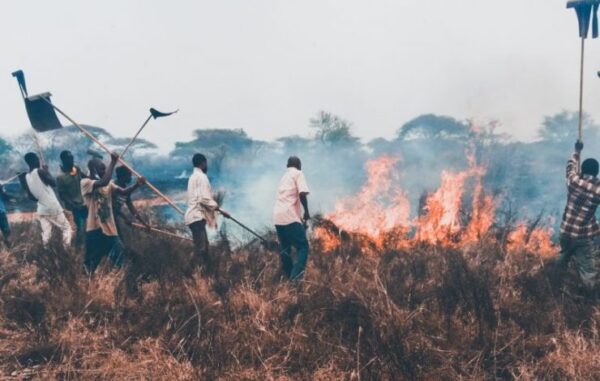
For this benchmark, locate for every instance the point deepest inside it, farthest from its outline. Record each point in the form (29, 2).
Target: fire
(381, 211)
(536, 240)
(378, 207)
(442, 210)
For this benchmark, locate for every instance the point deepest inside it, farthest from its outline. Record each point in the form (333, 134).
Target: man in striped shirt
(579, 230)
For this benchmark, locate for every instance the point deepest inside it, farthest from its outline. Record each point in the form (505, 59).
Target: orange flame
(381, 210)
(378, 207)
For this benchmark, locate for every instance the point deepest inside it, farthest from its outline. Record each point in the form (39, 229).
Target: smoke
(525, 177)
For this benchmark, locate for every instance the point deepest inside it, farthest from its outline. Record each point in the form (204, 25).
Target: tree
(331, 129)
(294, 143)
(119, 144)
(431, 126)
(563, 127)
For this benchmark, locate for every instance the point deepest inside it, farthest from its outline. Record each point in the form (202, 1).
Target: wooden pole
(136, 135)
(580, 126)
(123, 162)
(163, 232)
(4, 182)
(36, 139)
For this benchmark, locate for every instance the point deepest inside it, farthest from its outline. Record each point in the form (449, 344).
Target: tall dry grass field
(424, 313)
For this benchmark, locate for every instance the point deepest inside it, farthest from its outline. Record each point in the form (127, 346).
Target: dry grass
(425, 313)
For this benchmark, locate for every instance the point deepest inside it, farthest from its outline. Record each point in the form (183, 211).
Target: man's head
(123, 175)
(589, 167)
(97, 168)
(32, 160)
(199, 161)
(66, 157)
(294, 162)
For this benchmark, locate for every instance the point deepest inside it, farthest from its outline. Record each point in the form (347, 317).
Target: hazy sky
(268, 66)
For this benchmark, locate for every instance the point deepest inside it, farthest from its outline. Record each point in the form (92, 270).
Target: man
(39, 183)
(579, 231)
(289, 219)
(98, 191)
(4, 225)
(201, 210)
(69, 192)
(123, 181)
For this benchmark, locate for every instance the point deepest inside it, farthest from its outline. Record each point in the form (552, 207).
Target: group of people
(290, 215)
(93, 200)
(96, 204)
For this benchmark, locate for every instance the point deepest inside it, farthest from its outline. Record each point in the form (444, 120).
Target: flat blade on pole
(586, 10)
(157, 114)
(41, 113)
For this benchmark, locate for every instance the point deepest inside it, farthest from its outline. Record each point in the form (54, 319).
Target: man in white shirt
(39, 183)
(289, 219)
(201, 210)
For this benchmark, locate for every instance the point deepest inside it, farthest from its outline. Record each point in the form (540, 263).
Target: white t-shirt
(288, 208)
(201, 205)
(47, 204)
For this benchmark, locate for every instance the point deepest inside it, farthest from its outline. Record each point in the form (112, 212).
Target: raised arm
(46, 177)
(129, 190)
(105, 180)
(574, 178)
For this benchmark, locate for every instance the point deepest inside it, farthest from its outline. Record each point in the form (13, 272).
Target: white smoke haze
(527, 177)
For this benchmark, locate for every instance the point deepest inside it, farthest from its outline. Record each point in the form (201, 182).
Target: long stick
(125, 164)
(164, 232)
(581, 88)
(247, 229)
(136, 135)
(4, 182)
(39, 148)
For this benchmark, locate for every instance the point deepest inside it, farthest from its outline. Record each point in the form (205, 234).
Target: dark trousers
(98, 245)
(4, 226)
(80, 220)
(200, 237)
(292, 235)
(586, 254)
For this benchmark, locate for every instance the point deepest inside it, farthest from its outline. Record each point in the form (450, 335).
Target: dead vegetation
(421, 313)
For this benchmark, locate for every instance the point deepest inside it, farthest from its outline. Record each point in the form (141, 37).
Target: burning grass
(420, 311)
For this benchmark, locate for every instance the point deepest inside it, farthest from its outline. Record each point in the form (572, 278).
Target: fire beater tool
(154, 113)
(163, 232)
(586, 10)
(270, 245)
(42, 115)
(4, 182)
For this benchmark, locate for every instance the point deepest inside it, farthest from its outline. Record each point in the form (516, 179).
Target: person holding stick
(69, 192)
(579, 230)
(39, 183)
(290, 221)
(102, 238)
(201, 210)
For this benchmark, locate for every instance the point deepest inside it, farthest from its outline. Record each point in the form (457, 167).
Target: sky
(268, 66)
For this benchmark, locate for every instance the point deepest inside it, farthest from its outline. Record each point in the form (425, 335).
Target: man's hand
(114, 157)
(224, 213)
(578, 146)
(141, 181)
(306, 216)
